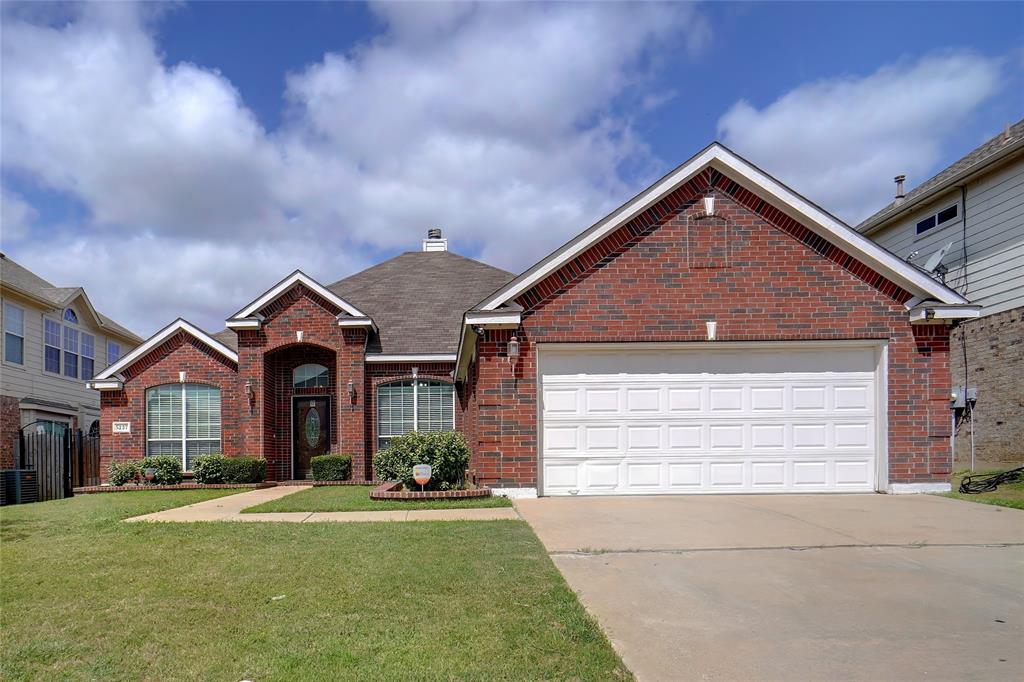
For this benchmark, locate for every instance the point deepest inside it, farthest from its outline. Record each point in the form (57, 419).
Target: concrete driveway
(796, 587)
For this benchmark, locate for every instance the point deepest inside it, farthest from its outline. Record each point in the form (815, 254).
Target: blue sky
(186, 157)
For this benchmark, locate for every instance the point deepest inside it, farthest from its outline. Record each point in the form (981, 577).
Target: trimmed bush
(209, 469)
(445, 451)
(167, 470)
(244, 469)
(122, 473)
(331, 467)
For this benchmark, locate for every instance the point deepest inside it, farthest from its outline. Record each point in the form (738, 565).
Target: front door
(311, 431)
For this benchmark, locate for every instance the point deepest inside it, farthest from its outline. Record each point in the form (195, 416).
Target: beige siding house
(974, 211)
(54, 340)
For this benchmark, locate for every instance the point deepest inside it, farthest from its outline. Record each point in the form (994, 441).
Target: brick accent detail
(10, 422)
(995, 360)
(181, 352)
(779, 281)
(393, 491)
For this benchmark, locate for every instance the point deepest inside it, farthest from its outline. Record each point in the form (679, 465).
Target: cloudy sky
(180, 159)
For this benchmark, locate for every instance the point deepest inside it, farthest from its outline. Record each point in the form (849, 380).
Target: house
(54, 342)
(974, 210)
(716, 333)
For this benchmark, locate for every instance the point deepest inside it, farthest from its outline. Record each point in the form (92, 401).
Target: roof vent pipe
(900, 196)
(434, 240)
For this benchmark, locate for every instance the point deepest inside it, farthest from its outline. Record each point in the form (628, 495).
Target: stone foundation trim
(516, 493)
(918, 488)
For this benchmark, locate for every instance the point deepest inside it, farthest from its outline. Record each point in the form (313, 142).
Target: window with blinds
(183, 420)
(405, 406)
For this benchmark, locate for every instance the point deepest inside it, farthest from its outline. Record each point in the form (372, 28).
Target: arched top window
(183, 420)
(310, 376)
(70, 316)
(414, 405)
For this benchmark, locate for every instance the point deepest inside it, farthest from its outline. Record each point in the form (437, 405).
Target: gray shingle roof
(23, 279)
(417, 299)
(228, 337)
(976, 157)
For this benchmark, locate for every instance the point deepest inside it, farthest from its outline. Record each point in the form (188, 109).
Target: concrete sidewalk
(230, 509)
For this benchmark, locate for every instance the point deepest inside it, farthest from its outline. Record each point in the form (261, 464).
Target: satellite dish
(935, 260)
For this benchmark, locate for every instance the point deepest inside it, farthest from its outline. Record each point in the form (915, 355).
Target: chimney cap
(434, 233)
(900, 196)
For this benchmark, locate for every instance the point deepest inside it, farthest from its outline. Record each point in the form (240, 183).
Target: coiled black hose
(972, 485)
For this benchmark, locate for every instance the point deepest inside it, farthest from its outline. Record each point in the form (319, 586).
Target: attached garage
(711, 418)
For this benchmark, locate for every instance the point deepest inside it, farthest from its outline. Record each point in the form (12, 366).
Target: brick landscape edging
(90, 489)
(317, 484)
(389, 491)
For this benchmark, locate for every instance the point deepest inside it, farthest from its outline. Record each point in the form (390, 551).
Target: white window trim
(6, 330)
(935, 214)
(415, 403)
(184, 426)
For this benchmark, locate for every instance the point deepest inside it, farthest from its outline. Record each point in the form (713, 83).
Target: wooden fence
(62, 461)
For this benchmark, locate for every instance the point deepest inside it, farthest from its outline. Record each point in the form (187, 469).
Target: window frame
(184, 439)
(59, 347)
(8, 306)
(413, 383)
(934, 217)
(82, 357)
(326, 373)
(70, 337)
(117, 355)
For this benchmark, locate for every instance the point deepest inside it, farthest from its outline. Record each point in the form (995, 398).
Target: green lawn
(83, 596)
(1006, 495)
(357, 498)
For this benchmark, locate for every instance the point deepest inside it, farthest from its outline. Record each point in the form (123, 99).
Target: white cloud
(495, 122)
(840, 141)
(16, 216)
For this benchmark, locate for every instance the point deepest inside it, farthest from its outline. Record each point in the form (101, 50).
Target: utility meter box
(960, 396)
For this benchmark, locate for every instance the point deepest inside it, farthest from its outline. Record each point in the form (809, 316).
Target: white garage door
(640, 420)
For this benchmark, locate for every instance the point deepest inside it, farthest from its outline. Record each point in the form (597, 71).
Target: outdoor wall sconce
(712, 329)
(709, 204)
(250, 393)
(513, 350)
(351, 390)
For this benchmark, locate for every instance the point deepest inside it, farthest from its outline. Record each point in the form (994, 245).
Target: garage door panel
(796, 421)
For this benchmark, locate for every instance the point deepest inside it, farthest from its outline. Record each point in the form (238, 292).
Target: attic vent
(434, 241)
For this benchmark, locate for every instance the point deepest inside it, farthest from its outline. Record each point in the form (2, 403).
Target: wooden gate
(62, 461)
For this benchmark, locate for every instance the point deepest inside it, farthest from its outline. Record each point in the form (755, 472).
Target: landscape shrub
(445, 451)
(122, 473)
(244, 469)
(331, 467)
(209, 469)
(166, 470)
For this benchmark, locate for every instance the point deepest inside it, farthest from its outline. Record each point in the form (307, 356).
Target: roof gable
(748, 177)
(279, 289)
(179, 325)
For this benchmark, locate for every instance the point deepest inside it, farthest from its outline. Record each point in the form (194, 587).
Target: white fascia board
(161, 336)
(356, 322)
(254, 322)
(940, 311)
(423, 357)
(494, 319)
(108, 385)
(297, 277)
(756, 181)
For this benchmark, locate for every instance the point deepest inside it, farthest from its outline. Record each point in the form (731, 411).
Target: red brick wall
(179, 353)
(265, 355)
(10, 422)
(758, 273)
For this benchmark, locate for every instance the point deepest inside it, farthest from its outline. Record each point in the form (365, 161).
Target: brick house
(716, 333)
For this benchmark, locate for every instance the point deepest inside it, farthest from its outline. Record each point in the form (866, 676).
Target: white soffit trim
(254, 322)
(297, 277)
(110, 385)
(940, 311)
(753, 179)
(356, 322)
(424, 357)
(496, 318)
(161, 336)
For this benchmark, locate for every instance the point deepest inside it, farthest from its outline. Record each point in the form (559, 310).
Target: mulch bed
(394, 491)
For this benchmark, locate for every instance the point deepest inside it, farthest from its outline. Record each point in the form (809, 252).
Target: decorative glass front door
(311, 432)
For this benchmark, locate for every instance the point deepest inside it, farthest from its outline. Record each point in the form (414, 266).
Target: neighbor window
(310, 376)
(113, 352)
(70, 316)
(183, 420)
(51, 346)
(404, 406)
(936, 219)
(14, 334)
(70, 352)
(88, 355)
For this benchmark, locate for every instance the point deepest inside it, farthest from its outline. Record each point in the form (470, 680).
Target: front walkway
(230, 509)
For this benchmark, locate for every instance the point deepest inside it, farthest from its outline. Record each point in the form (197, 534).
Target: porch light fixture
(351, 390)
(250, 393)
(712, 329)
(513, 350)
(709, 204)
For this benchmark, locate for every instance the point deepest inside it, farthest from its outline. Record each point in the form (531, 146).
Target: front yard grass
(84, 596)
(1006, 495)
(357, 498)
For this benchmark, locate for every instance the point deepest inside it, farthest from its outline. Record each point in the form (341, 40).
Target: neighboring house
(977, 206)
(716, 333)
(54, 341)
